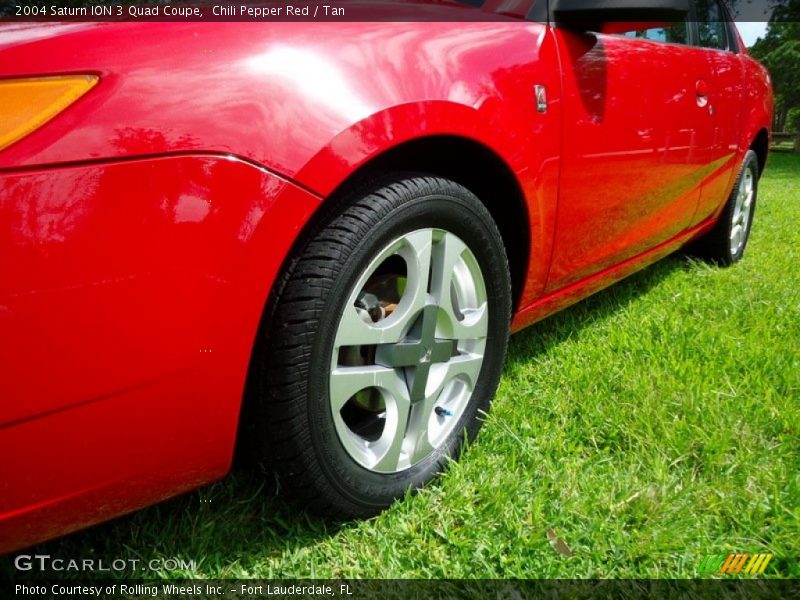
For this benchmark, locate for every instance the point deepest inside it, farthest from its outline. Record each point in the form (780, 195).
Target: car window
(712, 27)
(675, 34)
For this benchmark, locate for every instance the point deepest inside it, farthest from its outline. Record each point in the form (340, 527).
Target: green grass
(647, 426)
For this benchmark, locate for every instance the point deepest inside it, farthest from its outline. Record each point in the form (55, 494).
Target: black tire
(290, 417)
(716, 245)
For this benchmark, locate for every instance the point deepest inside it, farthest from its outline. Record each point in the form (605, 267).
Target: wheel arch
(476, 167)
(760, 146)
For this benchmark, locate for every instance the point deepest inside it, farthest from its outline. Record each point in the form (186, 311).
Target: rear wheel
(386, 340)
(726, 243)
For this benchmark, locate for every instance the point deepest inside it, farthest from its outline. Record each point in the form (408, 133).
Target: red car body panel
(131, 293)
(143, 228)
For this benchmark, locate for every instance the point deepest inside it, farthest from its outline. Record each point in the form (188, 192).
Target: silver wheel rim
(742, 211)
(408, 350)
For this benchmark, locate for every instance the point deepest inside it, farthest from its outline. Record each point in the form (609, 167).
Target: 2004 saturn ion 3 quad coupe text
(315, 238)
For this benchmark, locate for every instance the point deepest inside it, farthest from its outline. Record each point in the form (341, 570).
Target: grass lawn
(647, 426)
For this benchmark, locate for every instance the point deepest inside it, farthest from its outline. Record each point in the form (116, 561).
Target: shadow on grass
(233, 524)
(563, 325)
(227, 525)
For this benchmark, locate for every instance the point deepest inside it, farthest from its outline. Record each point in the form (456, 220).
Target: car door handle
(701, 89)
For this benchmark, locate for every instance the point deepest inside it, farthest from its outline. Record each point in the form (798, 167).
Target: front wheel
(726, 243)
(384, 345)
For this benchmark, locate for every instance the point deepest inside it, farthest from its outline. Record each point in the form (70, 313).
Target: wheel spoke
(417, 254)
(740, 196)
(421, 446)
(736, 237)
(389, 449)
(345, 382)
(473, 326)
(749, 193)
(470, 323)
(447, 253)
(466, 365)
(384, 454)
(354, 330)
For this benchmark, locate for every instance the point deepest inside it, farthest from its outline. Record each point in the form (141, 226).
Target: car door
(716, 39)
(632, 153)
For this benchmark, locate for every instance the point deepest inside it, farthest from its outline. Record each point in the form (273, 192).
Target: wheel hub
(418, 352)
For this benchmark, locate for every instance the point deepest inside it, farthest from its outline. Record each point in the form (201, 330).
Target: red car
(315, 238)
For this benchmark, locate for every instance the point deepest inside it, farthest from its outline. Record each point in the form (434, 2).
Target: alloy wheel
(408, 350)
(742, 211)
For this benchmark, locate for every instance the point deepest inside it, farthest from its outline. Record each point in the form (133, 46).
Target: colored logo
(734, 564)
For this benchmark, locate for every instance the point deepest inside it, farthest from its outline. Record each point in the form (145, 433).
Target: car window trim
(540, 12)
(731, 37)
(687, 44)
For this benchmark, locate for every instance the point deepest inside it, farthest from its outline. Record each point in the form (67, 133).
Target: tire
(725, 244)
(366, 377)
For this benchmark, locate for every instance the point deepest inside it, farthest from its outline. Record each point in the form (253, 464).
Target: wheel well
(760, 146)
(478, 169)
